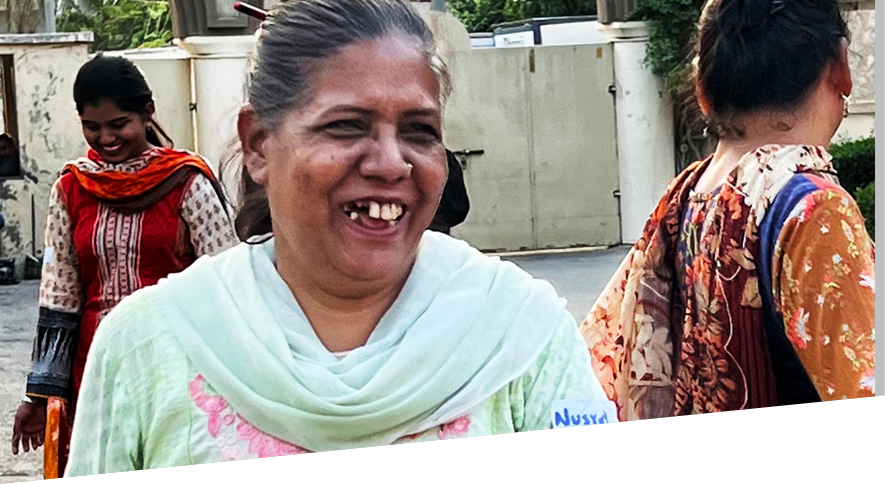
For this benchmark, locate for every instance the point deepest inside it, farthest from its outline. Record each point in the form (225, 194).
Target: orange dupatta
(118, 186)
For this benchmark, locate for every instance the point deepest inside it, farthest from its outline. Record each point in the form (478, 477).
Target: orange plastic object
(54, 444)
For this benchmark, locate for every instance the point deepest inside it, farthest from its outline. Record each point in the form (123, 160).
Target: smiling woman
(343, 322)
(121, 218)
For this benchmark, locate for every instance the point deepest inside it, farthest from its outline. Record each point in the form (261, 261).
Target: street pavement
(578, 276)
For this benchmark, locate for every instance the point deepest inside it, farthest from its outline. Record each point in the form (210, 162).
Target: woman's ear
(703, 103)
(252, 138)
(149, 110)
(840, 72)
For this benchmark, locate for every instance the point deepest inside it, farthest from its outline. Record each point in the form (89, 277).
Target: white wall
(49, 131)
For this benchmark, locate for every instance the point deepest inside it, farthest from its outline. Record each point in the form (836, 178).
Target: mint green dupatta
(464, 326)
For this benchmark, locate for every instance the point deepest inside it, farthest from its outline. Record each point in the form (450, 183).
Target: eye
(119, 124)
(90, 126)
(422, 133)
(345, 128)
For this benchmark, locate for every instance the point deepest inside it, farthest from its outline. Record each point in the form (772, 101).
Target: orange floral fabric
(825, 289)
(671, 335)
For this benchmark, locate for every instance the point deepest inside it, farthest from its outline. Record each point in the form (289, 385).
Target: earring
(846, 99)
(409, 167)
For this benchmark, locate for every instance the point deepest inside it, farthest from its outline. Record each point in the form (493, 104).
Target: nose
(107, 137)
(386, 160)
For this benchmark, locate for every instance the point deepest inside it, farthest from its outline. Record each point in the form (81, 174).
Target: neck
(813, 123)
(343, 312)
(801, 127)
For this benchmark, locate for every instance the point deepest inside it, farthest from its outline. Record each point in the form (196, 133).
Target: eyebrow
(343, 109)
(115, 120)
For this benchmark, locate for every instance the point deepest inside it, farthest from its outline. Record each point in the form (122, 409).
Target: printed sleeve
(562, 372)
(60, 303)
(210, 227)
(824, 287)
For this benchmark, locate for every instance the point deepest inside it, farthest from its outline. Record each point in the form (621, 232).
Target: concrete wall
(862, 59)
(545, 120)
(168, 72)
(49, 131)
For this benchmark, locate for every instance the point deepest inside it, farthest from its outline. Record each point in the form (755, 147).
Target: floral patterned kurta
(680, 327)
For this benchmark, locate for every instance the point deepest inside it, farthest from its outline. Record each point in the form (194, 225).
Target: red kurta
(120, 253)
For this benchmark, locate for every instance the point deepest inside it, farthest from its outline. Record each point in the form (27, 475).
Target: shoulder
(456, 259)
(136, 320)
(141, 316)
(820, 199)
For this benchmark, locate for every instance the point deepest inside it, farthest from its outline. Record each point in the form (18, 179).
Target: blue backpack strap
(793, 383)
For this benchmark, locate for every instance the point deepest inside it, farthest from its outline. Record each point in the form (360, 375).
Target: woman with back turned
(752, 284)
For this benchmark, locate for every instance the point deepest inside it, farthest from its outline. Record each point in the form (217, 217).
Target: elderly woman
(348, 325)
(752, 285)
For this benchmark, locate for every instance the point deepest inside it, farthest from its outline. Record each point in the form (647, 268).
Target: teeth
(389, 212)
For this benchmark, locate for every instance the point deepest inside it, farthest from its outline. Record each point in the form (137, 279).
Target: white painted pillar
(644, 117)
(218, 70)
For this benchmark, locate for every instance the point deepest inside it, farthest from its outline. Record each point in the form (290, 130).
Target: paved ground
(578, 276)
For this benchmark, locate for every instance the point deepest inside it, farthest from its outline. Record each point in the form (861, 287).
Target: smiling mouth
(113, 148)
(374, 214)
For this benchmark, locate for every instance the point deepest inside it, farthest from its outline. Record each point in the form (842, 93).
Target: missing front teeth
(390, 212)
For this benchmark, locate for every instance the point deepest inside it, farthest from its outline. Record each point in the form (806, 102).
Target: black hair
(764, 54)
(117, 79)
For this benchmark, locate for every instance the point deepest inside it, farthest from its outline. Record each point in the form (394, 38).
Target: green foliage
(480, 15)
(119, 24)
(672, 25)
(855, 163)
(866, 201)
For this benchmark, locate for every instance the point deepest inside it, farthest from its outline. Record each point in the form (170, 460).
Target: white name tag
(578, 412)
(48, 256)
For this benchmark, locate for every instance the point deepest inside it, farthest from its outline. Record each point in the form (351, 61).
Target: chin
(374, 265)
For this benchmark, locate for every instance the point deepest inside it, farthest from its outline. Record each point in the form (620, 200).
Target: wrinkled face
(114, 134)
(355, 174)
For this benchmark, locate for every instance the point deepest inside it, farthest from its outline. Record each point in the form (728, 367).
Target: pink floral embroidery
(456, 428)
(211, 404)
(231, 454)
(264, 445)
(221, 415)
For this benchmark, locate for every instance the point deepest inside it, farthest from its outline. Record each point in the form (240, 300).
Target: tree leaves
(480, 15)
(119, 24)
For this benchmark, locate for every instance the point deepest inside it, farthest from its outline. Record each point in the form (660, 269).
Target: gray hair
(295, 37)
(299, 33)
